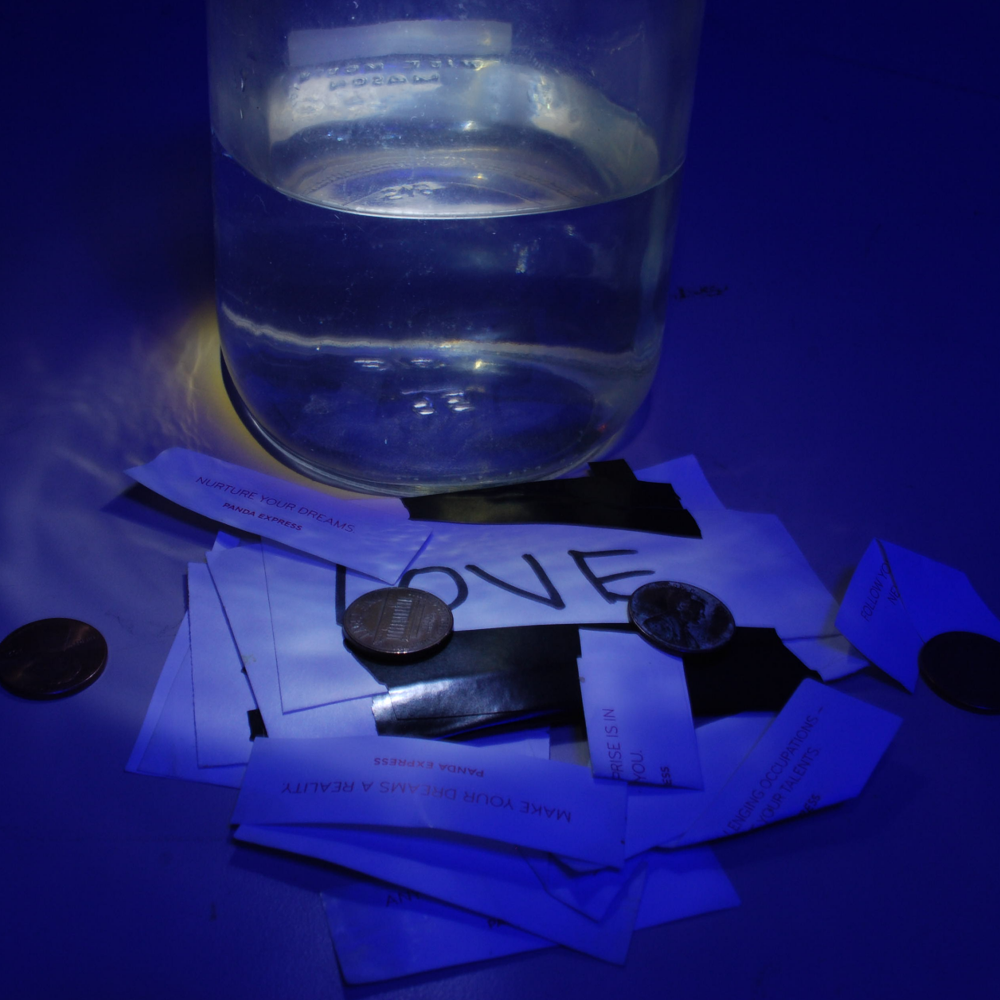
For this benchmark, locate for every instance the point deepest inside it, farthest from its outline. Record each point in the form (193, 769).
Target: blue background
(840, 192)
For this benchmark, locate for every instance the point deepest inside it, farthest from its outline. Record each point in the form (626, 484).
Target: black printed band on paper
(386, 723)
(615, 470)
(480, 677)
(256, 722)
(506, 677)
(610, 497)
(753, 672)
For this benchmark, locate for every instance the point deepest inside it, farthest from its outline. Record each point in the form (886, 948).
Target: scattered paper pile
(521, 839)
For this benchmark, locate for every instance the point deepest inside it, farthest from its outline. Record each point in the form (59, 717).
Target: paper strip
(222, 695)
(528, 575)
(678, 884)
(178, 655)
(591, 893)
(499, 575)
(831, 656)
(169, 750)
(606, 499)
(381, 931)
(820, 750)
(687, 478)
(659, 815)
(496, 882)
(681, 884)
(635, 701)
(897, 600)
(938, 598)
(239, 578)
(874, 618)
(531, 742)
(314, 667)
(401, 782)
(371, 535)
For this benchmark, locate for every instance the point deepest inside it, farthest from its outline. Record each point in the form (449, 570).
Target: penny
(963, 668)
(680, 618)
(52, 658)
(398, 621)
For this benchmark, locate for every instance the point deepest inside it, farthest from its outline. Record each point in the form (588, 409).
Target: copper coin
(680, 618)
(964, 669)
(52, 658)
(398, 621)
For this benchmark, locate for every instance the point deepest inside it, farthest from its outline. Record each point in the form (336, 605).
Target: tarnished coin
(52, 658)
(964, 669)
(680, 618)
(398, 621)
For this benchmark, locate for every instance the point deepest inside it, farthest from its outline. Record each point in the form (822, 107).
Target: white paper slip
(820, 750)
(222, 695)
(381, 931)
(659, 815)
(533, 742)
(239, 579)
(314, 666)
(373, 535)
(224, 541)
(403, 782)
(506, 575)
(682, 884)
(499, 575)
(678, 884)
(686, 477)
(496, 882)
(637, 711)
(873, 617)
(342, 718)
(831, 656)
(178, 655)
(939, 598)
(166, 745)
(591, 893)
(238, 576)
(897, 600)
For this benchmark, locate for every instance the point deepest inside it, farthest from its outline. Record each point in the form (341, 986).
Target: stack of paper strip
(508, 843)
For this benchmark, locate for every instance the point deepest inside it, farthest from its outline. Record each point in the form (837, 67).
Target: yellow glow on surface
(202, 408)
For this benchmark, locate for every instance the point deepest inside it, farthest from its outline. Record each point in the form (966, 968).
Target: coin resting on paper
(680, 618)
(398, 621)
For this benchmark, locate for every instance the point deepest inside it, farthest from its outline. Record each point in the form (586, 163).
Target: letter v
(553, 600)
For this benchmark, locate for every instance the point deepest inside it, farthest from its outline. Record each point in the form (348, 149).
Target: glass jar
(444, 229)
